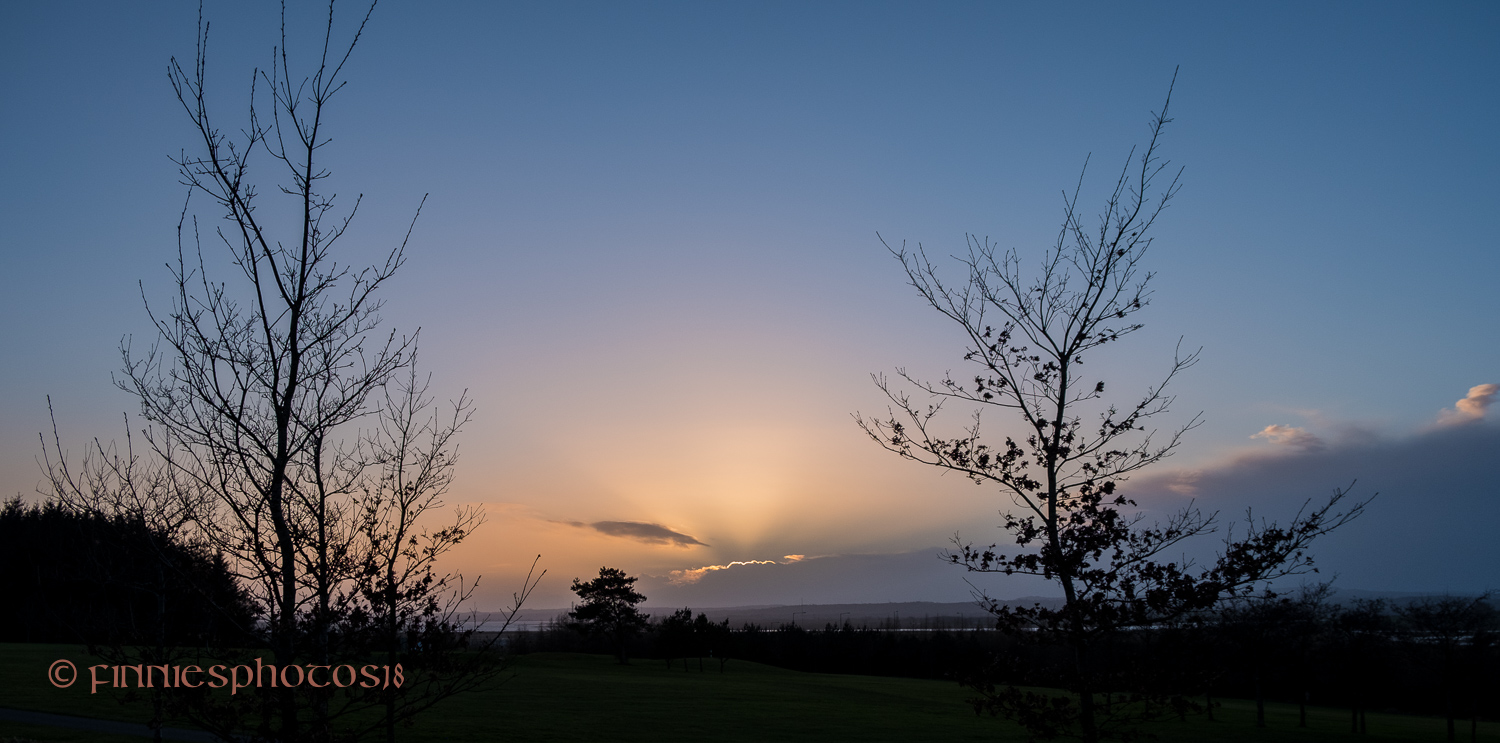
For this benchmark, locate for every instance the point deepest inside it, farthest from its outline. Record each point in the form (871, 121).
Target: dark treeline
(1432, 656)
(73, 577)
(703, 645)
(1435, 656)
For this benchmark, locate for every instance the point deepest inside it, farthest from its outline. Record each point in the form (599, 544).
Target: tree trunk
(1260, 703)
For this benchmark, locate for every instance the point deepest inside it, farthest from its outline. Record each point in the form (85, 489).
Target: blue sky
(650, 248)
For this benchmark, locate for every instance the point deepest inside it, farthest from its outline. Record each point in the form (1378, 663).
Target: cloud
(1471, 408)
(693, 575)
(640, 531)
(1429, 529)
(921, 575)
(1183, 482)
(1290, 436)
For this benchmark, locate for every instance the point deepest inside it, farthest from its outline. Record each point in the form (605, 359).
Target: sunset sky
(650, 254)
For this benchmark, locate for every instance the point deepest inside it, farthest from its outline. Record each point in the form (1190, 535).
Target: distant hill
(891, 615)
(906, 614)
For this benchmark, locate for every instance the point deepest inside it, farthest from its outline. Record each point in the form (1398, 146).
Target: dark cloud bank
(1434, 527)
(906, 576)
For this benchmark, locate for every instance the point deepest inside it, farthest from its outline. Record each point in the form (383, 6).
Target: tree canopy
(1026, 333)
(609, 607)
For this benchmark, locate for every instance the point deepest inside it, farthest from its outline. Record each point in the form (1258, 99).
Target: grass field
(564, 697)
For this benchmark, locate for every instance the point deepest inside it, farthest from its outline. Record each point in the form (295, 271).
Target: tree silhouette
(1459, 631)
(289, 430)
(81, 577)
(1273, 635)
(675, 636)
(608, 608)
(1027, 336)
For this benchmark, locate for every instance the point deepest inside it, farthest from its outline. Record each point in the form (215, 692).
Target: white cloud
(693, 575)
(1183, 482)
(1471, 408)
(1290, 436)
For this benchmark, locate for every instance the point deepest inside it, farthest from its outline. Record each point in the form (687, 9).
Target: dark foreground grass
(19, 733)
(565, 697)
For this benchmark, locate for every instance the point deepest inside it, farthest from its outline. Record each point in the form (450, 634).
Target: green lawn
(24, 685)
(562, 697)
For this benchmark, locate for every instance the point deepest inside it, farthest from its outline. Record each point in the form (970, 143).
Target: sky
(651, 252)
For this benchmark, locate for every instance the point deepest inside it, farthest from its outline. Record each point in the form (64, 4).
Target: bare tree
(255, 392)
(412, 608)
(1027, 335)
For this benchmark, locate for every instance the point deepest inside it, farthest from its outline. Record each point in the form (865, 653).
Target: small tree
(715, 638)
(1026, 338)
(675, 636)
(608, 608)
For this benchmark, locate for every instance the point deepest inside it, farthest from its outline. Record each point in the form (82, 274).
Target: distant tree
(720, 641)
(1364, 631)
(609, 608)
(1481, 663)
(1275, 635)
(679, 635)
(712, 639)
(1026, 339)
(1458, 631)
(675, 636)
(1306, 622)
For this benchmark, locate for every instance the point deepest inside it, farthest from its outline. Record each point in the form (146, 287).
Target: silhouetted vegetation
(90, 579)
(289, 437)
(679, 635)
(1026, 335)
(608, 609)
(1300, 649)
